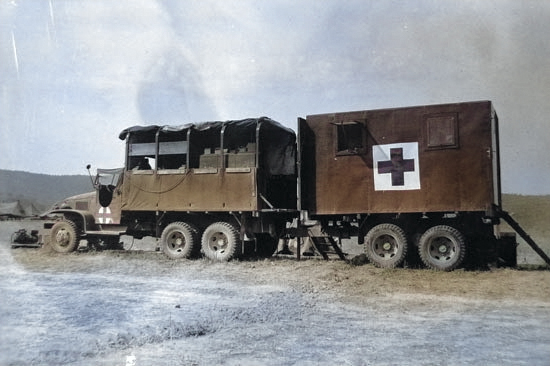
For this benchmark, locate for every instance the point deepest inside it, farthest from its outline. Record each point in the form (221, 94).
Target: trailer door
(495, 155)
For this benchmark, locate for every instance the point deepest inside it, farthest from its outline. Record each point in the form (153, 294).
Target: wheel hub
(385, 247)
(177, 241)
(62, 237)
(442, 249)
(219, 241)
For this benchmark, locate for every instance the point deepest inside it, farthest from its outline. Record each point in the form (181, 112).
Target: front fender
(84, 220)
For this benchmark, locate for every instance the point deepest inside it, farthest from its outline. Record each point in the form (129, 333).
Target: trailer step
(326, 245)
(513, 223)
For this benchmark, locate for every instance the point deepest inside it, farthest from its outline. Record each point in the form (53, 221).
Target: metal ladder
(326, 245)
(513, 223)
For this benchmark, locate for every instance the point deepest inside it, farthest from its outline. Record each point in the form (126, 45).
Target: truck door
(107, 184)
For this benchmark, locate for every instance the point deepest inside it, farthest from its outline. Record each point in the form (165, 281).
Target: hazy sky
(74, 73)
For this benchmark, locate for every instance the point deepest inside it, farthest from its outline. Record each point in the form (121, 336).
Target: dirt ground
(138, 307)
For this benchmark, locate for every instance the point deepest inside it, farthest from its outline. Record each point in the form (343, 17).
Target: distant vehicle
(422, 179)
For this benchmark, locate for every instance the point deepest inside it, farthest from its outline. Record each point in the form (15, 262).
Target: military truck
(216, 187)
(408, 182)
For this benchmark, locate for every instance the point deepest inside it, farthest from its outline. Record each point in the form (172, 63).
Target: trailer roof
(409, 107)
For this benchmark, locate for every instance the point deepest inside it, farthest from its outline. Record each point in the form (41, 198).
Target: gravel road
(139, 308)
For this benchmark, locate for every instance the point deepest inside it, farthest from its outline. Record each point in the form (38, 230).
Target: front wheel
(220, 241)
(178, 240)
(64, 237)
(442, 248)
(386, 245)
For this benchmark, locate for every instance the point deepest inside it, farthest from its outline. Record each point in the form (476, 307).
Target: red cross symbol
(397, 166)
(104, 215)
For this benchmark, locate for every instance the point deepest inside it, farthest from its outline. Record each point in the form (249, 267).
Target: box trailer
(424, 176)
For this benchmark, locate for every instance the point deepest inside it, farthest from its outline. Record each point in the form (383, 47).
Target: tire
(386, 245)
(179, 240)
(220, 241)
(442, 248)
(64, 236)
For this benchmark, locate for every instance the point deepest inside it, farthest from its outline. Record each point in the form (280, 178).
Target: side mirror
(90, 174)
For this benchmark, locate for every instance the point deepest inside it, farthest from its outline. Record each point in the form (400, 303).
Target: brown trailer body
(435, 158)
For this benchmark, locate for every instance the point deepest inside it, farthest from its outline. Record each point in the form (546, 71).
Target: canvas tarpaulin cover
(277, 143)
(208, 189)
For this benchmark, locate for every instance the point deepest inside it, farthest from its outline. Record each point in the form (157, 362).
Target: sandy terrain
(140, 308)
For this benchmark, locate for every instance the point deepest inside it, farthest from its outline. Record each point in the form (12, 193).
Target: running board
(513, 223)
(105, 233)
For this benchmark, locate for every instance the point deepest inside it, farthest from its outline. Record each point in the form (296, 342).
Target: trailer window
(442, 131)
(350, 138)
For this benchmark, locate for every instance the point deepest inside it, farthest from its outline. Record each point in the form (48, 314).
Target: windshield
(108, 177)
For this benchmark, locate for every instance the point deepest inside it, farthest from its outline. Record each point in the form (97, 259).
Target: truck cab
(94, 216)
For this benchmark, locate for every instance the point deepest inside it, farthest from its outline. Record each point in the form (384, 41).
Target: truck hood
(65, 203)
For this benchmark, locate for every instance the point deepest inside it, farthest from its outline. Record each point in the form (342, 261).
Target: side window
(350, 138)
(141, 156)
(442, 131)
(172, 154)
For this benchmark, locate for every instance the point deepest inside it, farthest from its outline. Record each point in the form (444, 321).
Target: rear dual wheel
(386, 245)
(442, 248)
(220, 241)
(179, 240)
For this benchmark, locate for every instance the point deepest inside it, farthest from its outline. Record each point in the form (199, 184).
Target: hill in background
(40, 190)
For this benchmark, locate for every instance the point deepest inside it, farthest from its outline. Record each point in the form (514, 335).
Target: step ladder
(326, 245)
(513, 223)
